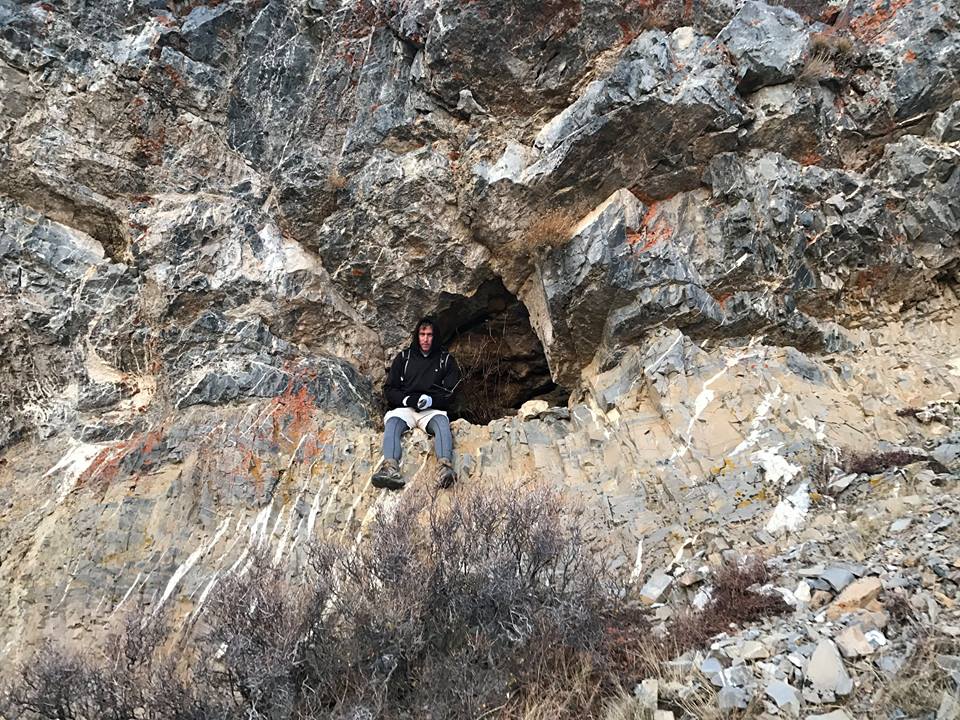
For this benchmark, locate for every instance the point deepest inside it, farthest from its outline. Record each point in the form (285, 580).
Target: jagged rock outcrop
(218, 222)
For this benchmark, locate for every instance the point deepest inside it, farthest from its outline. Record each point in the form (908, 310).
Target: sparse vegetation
(482, 604)
(733, 602)
(481, 365)
(871, 463)
(818, 67)
(336, 180)
(918, 691)
(831, 45)
(550, 230)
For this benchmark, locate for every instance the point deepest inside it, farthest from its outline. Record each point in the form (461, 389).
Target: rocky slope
(709, 244)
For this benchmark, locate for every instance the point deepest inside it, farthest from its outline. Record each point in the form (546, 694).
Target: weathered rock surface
(218, 222)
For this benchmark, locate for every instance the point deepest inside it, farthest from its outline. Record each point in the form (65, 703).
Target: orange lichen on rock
(867, 280)
(722, 298)
(106, 465)
(654, 230)
(292, 414)
(869, 25)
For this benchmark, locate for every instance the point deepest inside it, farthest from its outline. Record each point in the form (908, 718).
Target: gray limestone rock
(838, 577)
(785, 696)
(681, 80)
(826, 675)
(655, 587)
(218, 222)
(731, 698)
(946, 125)
(767, 42)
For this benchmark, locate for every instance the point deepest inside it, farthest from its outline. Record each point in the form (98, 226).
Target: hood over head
(415, 339)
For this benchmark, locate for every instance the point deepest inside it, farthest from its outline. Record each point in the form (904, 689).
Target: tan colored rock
(835, 715)
(856, 596)
(655, 587)
(820, 598)
(872, 620)
(853, 643)
(826, 671)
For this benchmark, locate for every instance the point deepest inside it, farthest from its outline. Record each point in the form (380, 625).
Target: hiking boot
(388, 476)
(446, 477)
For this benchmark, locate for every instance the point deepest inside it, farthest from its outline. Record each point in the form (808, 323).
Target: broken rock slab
(785, 696)
(837, 577)
(826, 674)
(949, 707)
(655, 587)
(856, 596)
(647, 694)
(835, 715)
(853, 643)
(732, 698)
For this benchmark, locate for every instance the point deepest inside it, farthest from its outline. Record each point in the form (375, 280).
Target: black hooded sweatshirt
(413, 374)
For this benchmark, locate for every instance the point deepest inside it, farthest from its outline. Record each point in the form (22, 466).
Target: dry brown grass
(871, 463)
(831, 55)
(733, 603)
(842, 46)
(683, 690)
(818, 67)
(336, 180)
(484, 603)
(831, 45)
(918, 689)
(550, 230)
(547, 232)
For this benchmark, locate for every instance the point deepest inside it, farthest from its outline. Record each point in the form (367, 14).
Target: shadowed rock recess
(691, 255)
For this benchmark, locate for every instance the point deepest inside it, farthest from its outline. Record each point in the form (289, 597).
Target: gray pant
(439, 427)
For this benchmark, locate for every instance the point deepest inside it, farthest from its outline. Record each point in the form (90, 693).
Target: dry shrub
(818, 67)
(842, 46)
(820, 43)
(733, 603)
(483, 372)
(831, 45)
(917, 690)
(133, 678)
(550, 230)
(872, 463)
(336, 180)
(476, 604)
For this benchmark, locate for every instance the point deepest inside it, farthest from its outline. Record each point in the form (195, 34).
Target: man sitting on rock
(419, 390)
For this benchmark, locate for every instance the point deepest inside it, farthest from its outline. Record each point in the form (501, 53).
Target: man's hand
(424, 402)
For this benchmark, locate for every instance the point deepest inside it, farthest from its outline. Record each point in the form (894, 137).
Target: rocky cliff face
(719, 240)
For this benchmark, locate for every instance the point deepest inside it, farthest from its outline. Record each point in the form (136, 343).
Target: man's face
(426, 338)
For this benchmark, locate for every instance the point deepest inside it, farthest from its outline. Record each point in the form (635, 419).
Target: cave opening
(500, 356)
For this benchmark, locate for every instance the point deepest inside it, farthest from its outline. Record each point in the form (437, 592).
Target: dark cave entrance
(500, 356)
